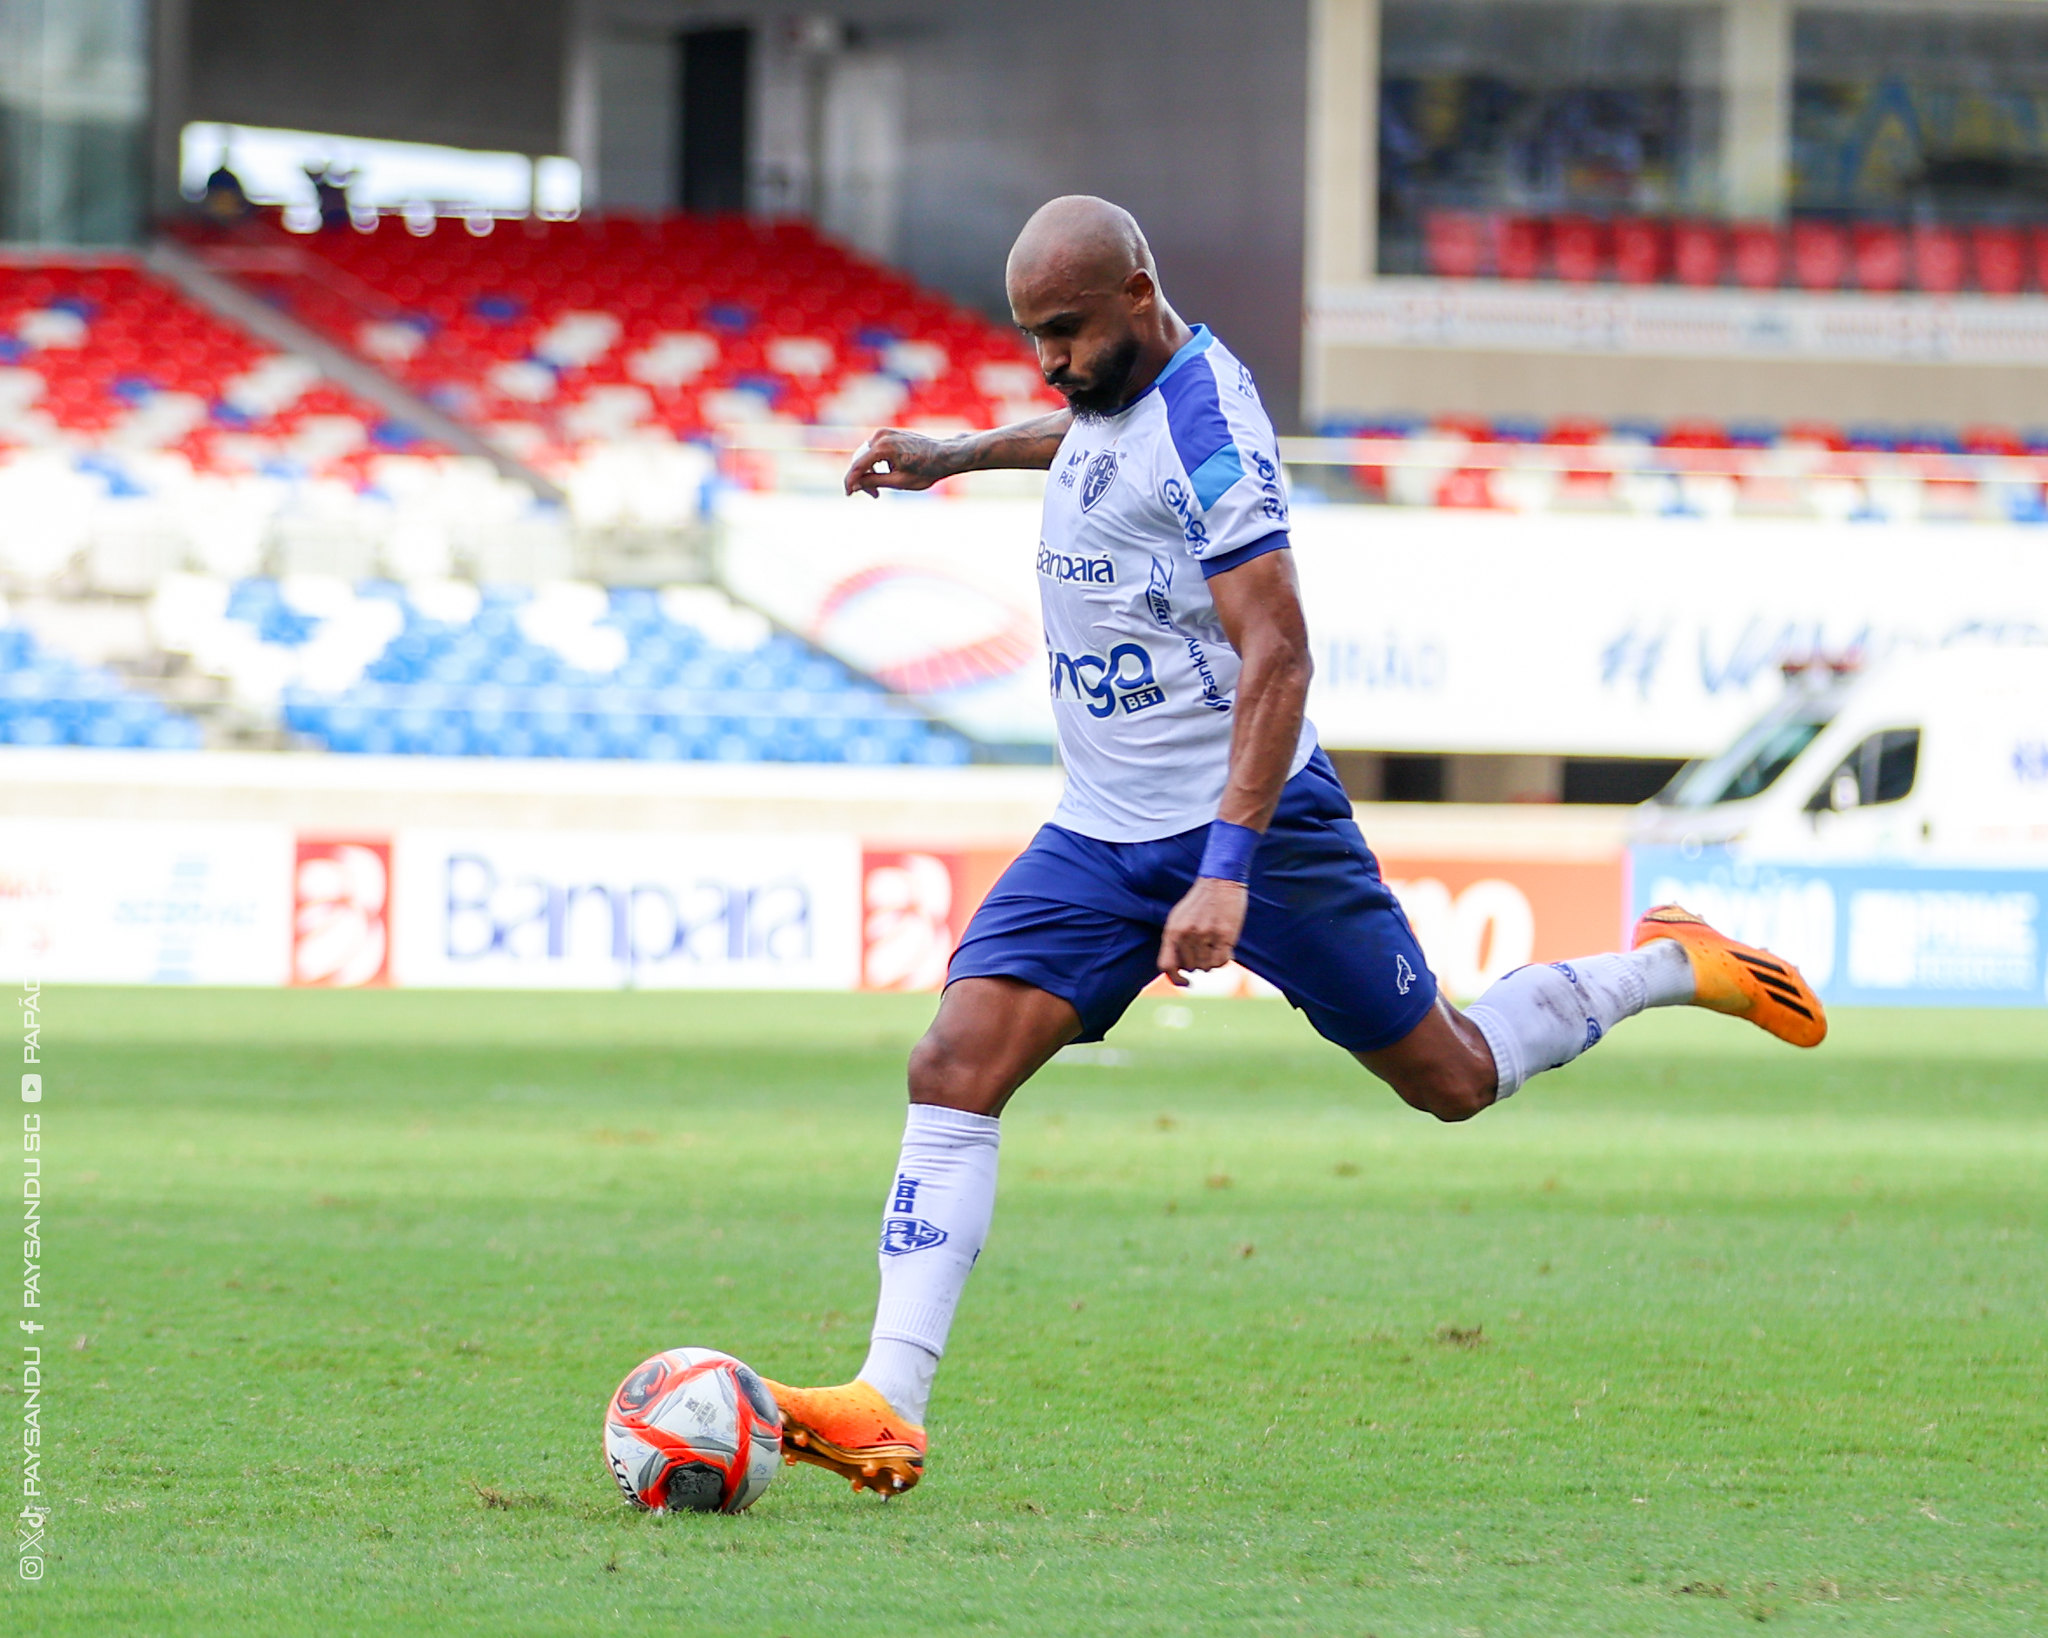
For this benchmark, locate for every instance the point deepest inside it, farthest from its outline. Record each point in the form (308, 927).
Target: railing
(1611, 475)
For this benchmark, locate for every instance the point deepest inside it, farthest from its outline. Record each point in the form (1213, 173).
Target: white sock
(1541, 1017)
(937, 1218)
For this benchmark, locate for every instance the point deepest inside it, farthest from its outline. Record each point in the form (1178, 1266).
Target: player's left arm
(1259, 603)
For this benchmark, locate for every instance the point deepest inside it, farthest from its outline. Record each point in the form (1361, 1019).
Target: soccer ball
(693, 1431)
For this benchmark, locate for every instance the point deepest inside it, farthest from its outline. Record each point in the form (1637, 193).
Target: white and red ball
(693, 1430)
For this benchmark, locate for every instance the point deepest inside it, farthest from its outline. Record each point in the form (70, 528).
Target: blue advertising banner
(1869, 934)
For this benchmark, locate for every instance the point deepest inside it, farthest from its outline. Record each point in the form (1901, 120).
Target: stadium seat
(48, 699)
(1939, 261)
(1820, 255)
(564, 670)
(1519, 247)
(1642, 251)
(1578, 248)
(1698, 250)
(114, 362)
(558, 335)
(1454, 243)
(1758, 251)
(1877, 257)
(1998, 256)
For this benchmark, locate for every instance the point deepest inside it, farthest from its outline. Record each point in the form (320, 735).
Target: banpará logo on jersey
(1177, 496)
(1101, 474)
(1122, 680)
(1095, 571)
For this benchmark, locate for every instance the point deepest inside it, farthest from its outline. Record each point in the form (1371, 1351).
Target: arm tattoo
(1029, 445)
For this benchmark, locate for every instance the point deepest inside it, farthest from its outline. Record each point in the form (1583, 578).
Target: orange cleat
(1740, 979)
(851, 1430)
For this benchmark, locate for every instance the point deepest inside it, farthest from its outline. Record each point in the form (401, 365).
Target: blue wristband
(1227, 855)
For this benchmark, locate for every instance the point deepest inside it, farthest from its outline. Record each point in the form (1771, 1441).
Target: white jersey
(1141, 507)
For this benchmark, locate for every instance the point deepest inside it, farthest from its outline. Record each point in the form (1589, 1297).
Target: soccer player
(1200, 821)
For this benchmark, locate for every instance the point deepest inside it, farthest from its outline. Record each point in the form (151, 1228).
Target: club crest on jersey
(902, 1234)
(1100, 475)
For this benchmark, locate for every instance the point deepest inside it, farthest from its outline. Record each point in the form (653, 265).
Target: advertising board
(108, 902)
(1870, 934)
(1432, 630)
(602, 910)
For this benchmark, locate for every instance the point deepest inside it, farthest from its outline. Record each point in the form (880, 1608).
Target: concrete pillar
(1343, 139)
(1343, 167)
(170, 83)
(1756, 113)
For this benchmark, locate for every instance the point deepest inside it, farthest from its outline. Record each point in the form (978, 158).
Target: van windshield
(1753, 763)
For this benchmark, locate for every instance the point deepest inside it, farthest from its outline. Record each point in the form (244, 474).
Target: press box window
(1878, 771)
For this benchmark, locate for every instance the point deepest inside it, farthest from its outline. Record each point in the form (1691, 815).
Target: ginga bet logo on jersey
(1092, 571)
(1121, 681)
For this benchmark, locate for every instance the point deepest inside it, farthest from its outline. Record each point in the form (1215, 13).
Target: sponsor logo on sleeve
(1182, 502)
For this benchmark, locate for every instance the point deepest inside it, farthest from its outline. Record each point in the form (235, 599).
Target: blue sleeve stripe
(1194, 419)
(1275, 542)
(1215, 475)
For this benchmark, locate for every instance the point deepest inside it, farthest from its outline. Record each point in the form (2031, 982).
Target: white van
(1938, 755)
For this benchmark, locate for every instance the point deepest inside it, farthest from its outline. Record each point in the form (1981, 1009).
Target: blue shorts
(1081, 919)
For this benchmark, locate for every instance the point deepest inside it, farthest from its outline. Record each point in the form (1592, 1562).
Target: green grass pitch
(1698, 1334)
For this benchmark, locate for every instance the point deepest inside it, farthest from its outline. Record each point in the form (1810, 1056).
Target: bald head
(1079, 242)
(1083, 287)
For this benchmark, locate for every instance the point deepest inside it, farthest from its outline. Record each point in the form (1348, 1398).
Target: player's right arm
(895, 459)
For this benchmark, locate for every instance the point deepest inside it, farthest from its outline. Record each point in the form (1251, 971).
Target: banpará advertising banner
(1432, 630)
(599, 910)
(1870, 934)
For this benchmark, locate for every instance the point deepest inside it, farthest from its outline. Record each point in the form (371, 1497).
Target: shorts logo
(902, 1234)
(1404, 975)
(1101, 474)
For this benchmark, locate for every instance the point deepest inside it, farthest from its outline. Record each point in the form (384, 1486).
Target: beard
(1105, 392)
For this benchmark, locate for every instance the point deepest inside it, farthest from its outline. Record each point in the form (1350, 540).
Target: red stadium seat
(1938, 260)
(1698, 252)
(1454, 243)
(1877, 257)
(1695, 434)
(1519, 249)
(1578, 249)
(1642, 247)
(1824, 434)
(1993, 441)
(2039, 260)
(1820, 255)
(1759, 255)
(1999, 257)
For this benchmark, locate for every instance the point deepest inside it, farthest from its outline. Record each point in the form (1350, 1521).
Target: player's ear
(1140, 292)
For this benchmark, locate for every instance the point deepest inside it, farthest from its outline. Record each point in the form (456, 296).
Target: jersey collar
(1196, 345)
